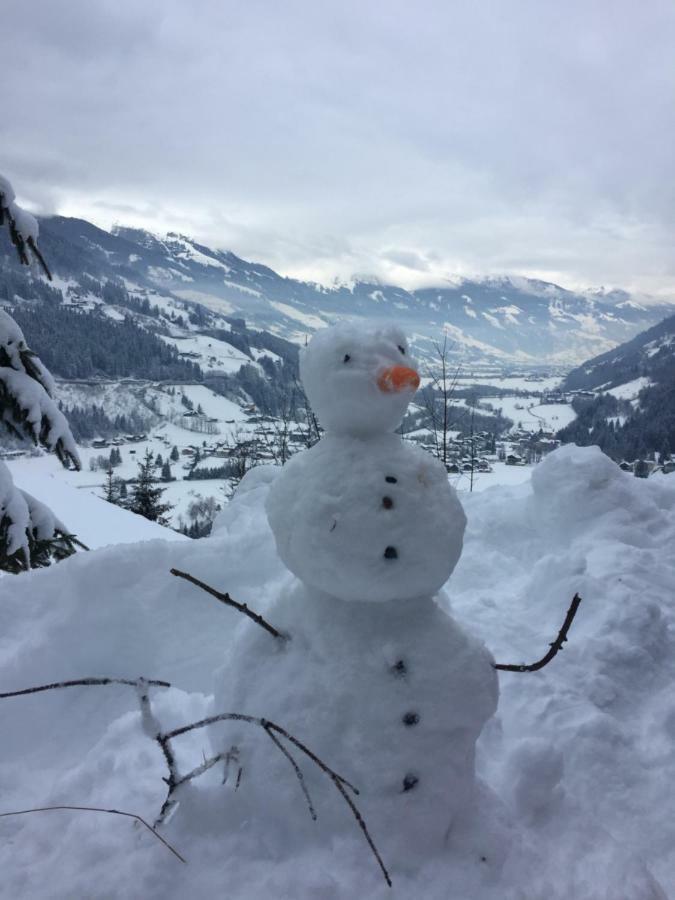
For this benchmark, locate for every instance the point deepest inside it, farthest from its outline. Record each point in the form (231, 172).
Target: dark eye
(402, 349)
(347, 357)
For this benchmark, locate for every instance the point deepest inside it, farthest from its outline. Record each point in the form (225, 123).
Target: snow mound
(581, 754)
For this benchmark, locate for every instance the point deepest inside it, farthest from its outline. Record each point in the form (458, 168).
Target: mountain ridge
(501, 319)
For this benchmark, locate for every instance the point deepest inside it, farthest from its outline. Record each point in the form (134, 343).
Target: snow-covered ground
(508, 382)
(500, 476)
(209, 352)
(580, 756)
(530, 414)
(94, 521)
(173, 431)
(630, 389)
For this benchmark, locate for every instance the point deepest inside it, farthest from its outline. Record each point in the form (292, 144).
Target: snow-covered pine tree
(146, 493)
(30, 534)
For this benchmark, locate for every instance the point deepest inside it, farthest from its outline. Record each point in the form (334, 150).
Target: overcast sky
(410, 140)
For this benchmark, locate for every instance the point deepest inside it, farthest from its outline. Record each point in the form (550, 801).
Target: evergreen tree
(159, 461)
(30, 534)
(146, 494)
(175, 455)
(115, 457)
(166, 472)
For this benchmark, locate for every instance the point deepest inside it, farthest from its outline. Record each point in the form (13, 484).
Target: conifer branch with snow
(30, 535)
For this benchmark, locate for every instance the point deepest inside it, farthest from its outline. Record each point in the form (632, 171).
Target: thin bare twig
(174, 780)
(228, 601)
(116, 812)
(555, 647)
(296, 769)
(87, 682)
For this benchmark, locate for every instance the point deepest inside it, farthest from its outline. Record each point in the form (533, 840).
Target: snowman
(376, 677)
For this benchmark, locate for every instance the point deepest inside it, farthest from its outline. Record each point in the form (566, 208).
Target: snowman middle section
(370, 519)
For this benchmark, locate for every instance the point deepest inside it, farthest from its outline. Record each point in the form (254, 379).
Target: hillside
(515, 320)
(649, 355)
(631, 414)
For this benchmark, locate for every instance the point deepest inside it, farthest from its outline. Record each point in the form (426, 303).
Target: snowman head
(359, 378)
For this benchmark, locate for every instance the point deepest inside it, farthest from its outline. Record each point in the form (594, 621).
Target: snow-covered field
(209, 352)
(173, 431)
(530, 414)
(508, 382)
(579, 760)
(630, 389)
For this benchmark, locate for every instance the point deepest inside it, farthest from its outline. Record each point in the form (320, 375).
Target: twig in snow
(296, 769)
(555, 647)
(116, 812)
(174, 781)
(87, 682)
(228, 601)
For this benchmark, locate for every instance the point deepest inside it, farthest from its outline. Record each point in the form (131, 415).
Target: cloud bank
(411, 141)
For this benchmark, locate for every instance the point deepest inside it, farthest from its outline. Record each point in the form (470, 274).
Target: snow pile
(581, 754)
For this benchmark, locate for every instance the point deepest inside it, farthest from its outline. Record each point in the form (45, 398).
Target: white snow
(26, 224)
(630, 389)
(311, 322)
(581, 755)
(561, 791)
(209, 352)
(531, 414)
(94, 521)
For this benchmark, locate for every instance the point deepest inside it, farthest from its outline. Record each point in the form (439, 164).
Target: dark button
(387, 502)
(390, 479)
(411, 718)
(410, 781)
(399, 669)
(391, 553)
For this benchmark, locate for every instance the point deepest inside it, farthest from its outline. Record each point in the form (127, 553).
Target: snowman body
(392, 696)
(375, 678)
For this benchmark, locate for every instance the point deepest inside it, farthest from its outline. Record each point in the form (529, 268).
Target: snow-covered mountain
(632, 412)
(650, 356)
(495, 319)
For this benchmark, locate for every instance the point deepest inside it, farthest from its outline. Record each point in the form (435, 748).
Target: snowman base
(390, 696)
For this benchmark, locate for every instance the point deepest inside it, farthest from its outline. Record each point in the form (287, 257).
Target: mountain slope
(496, 319)
(649, 355)
(633, 413)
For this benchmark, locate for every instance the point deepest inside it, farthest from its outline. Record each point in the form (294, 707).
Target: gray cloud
(409, 140)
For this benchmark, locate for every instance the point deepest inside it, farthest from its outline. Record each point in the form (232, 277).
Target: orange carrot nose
(398, 378)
